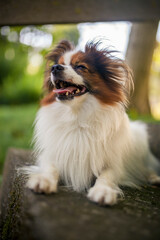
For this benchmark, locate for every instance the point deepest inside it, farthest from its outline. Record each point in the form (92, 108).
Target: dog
(82, 132)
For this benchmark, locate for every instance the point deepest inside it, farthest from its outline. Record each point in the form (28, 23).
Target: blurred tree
(21, 59)
(68, 32)
(154, 83)
(13, 59)
(139, 57)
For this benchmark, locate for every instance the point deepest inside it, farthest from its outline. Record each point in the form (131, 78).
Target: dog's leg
(44, 177)
(154, 170)
(154, 179)
(106, 190)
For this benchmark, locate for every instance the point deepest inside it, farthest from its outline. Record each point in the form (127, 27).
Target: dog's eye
(80, 67)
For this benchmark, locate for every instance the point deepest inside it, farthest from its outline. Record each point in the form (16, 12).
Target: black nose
(57, 68)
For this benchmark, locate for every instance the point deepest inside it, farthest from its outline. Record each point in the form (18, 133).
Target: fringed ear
(115, 72)
(59, 50)
(129, 83)
(52, 58)
(121, 75)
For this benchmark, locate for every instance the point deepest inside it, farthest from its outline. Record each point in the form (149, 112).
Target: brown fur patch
(78, 58)
(61, 60)
(48, 99)
(108, 78)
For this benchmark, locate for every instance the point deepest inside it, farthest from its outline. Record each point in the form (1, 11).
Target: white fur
(81, 139)
(69, 73)
(67, 57)
(95, 141)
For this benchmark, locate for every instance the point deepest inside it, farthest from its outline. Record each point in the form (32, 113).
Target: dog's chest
(76, 144)
(78, 154)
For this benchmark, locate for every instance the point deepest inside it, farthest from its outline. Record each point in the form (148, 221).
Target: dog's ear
(62, 47)
(52, 58)
(117, 78)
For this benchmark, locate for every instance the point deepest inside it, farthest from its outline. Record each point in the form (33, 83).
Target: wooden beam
(23, 12)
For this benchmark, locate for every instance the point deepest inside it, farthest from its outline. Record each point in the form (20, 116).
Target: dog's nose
(57, 68)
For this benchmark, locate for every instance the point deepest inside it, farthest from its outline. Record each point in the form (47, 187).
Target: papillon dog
(83, 136)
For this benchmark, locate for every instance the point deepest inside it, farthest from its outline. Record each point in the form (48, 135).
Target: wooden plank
(22, 12)
(69, 215)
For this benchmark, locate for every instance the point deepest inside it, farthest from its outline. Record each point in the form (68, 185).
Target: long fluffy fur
(91, 139)
(82, 145)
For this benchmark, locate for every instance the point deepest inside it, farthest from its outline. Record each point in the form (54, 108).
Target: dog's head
(75, 75)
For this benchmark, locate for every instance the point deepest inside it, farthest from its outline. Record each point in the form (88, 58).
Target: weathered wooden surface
(70, 11)
(69, 215)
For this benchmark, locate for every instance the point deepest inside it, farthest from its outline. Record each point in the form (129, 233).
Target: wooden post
(139, 57)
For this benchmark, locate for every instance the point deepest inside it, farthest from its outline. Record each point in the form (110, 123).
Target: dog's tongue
(64, 90)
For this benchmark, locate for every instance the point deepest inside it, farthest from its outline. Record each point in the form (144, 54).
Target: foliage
(154, 84)
(22, 59)
(69, 32)
(133, 115)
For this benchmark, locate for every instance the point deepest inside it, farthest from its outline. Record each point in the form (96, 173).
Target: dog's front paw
(42, 184)
(103, 195)
(154, 179)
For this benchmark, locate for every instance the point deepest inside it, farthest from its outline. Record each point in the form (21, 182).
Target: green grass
(133, 115)
(16, 128)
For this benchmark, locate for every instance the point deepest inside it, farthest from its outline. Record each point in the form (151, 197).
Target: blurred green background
(22, 51)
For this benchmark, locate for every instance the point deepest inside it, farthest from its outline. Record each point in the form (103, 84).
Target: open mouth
(67, 90)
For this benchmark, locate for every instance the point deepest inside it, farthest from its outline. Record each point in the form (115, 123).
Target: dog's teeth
(78, 90)
(66, 93)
